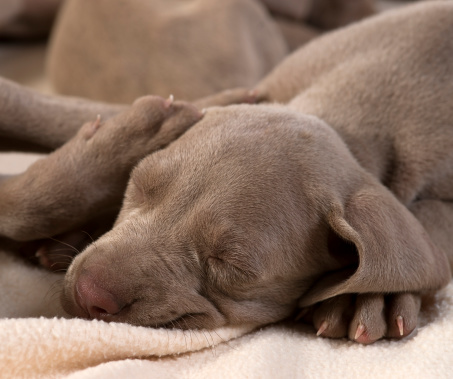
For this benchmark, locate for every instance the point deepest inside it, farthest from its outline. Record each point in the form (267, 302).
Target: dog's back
(386, 84)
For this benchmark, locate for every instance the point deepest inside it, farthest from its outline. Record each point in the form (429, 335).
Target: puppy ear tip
(169, 101)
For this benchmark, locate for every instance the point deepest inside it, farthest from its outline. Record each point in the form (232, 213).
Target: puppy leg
(32, 121)
(89, 173)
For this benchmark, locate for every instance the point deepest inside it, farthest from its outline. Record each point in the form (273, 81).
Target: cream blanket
(36, 342)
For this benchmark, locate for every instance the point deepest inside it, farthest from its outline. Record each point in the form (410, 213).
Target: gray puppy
(330, 200)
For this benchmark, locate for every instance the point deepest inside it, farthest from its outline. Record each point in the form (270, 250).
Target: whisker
(89, 235)
(57, 263)
(213, 346)
(204, 335)
(46, 236)
(184, 334)
(65, 243)
(61, 255)
(54, 290)
(60, 270)
(62, 249)
(190, 333)
(227, 342)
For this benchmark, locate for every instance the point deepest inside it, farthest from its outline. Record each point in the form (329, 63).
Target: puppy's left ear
(394, 252)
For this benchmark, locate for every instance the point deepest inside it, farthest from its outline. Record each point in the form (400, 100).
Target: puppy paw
(366, 318)
(148, 125)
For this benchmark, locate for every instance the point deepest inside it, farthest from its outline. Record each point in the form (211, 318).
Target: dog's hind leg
(30, 121)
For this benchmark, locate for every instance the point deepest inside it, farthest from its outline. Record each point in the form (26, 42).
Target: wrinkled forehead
(241, 147)
(237, 164)
(240, 136)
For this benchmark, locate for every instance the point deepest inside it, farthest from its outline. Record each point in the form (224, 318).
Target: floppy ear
(394, 252)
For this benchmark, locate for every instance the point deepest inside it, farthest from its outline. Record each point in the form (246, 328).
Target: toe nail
(95, 125)
(360, 330)
(322, 328)
(169, 101)
(400, 323)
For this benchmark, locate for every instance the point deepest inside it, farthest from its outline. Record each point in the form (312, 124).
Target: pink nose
(95, 300)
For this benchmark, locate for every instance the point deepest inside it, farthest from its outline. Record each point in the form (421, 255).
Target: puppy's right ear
(394, 252)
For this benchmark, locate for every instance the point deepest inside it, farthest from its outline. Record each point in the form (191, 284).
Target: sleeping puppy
(334, 197)
(335, 200)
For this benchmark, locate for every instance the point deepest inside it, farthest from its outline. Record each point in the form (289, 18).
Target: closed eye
(224, 273)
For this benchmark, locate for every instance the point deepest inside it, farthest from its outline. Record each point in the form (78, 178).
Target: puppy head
(251, 210)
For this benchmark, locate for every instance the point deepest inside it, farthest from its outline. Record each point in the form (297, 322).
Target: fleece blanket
(38, 340)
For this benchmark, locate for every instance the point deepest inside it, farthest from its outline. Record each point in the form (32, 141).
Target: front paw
(150, 124)
(366, 318)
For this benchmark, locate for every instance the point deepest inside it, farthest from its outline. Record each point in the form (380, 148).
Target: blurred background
(23, 57)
